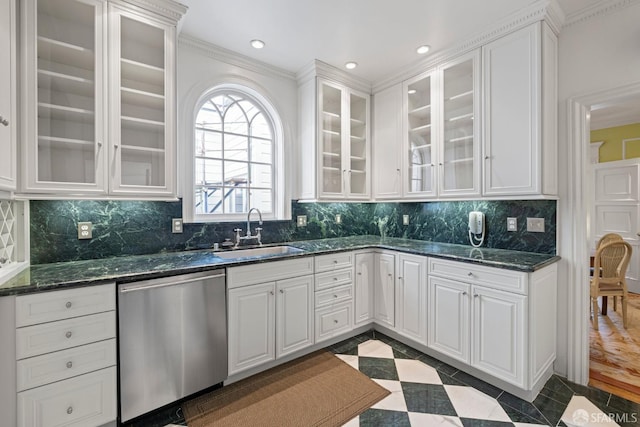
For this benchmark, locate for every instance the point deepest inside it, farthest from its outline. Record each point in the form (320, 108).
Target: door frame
(578, 153)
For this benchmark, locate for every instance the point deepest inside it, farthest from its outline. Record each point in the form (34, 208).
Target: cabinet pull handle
(476, 295)
(398, 170)
(70, 410)
(4, 121)
(335, 261)
(335, 321)
(464, 292)
(389, 274)
(440, 164)
(99, 144)
(470, 274)
(486, 157)
(282, 291)
(270, 292)
(400, 277)
(359, 273)
(335, 296)
(68, 334)
(335, 279)
(69, 364)
(68, 304)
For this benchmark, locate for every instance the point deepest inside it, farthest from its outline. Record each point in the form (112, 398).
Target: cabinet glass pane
(66, 98)
(420, 136)
(142, 104)
(358, 145)
(331, 139)
(458, 143)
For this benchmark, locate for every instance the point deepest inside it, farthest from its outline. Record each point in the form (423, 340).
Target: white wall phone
(476, 227)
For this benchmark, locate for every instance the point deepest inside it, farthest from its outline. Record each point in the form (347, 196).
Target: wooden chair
(609, 237)
(611, 260)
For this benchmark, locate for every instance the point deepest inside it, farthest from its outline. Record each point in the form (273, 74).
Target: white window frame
(279, 191)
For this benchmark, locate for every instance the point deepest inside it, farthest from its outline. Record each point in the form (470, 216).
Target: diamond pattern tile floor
(427, 392)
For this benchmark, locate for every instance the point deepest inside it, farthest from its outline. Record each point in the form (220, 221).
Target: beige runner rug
(316, 390)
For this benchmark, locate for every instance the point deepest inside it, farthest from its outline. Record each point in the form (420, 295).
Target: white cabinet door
(498, 335)
(411, 297)
(8, 100)
(449, 317)
(251, 326)
(387, 143)
(364, 283)
(616, 182)
(142, 97)
(384, 290)
(512, 119)
(294, 315)
(459, 120)
(419, 136)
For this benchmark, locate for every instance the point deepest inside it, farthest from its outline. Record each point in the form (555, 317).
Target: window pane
(235, 200)
(261, 151)
(208, 200)
(208, 172)
(236, 147)
(209, 118)
(235, 120)
(236, 173)
(261, 176)
(262, 200)
(208, 144)
(260, 127)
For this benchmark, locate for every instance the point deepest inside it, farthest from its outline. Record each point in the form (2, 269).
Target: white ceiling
(619, 112)
(380, 35)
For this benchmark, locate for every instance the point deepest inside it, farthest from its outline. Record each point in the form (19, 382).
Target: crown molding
(169, 9)
(600, 9)
(542, 10)
(317, 68)
(230, 57)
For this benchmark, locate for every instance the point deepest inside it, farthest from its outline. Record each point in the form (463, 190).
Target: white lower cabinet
(449, 318)
(334, 295)
(384, 288)
(364, 279)
(66, 358)
(411, 297)
(294, 315)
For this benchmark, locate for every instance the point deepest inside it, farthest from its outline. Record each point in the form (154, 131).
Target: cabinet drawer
(331, 279)
(54, 336)
(58, 305)
(334, 295)
(497, 278)
(333, 320)
(60, 365)
(87, 400)
(334, 262)
(268, 272)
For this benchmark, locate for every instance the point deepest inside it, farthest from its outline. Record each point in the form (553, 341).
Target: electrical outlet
(176, 225)
(302, 220)
(512, 224)
(84, 230)
(405, 219)
(338, 219)
(535, 225)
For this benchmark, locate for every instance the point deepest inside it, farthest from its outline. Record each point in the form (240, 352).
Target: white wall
(201, 67)
(597, 54)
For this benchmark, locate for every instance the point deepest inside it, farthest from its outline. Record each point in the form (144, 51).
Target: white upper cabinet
(459, 155)
(520, 96)
(335, 143)
(388, 144)
(99, 99)
(8, 99)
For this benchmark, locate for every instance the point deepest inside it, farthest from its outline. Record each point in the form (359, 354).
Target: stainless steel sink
(258, 252)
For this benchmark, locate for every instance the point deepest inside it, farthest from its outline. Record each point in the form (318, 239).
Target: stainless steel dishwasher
(172, 339)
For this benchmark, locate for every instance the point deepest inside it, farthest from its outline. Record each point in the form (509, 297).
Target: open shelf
(331, 115)
(463, 160)
(330, 132)
(142, 149)
(60, 112)
(357, 138)
(142, 98)
(465, 94)
(468, 116)
(142, 124)
(148, 74)
(329, 154)
(460, 139)
(330, 168)
(421, 147)
(422, 111)
(420, 128)
(66, 53)
(68, 143)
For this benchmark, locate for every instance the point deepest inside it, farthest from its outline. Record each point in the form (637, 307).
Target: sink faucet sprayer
(258, 235)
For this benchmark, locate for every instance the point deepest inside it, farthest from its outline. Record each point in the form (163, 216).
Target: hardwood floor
(614, 352)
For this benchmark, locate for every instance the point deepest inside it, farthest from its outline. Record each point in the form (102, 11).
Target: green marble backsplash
(137, 227)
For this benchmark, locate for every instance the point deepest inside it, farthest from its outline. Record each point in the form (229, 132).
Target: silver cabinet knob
(476, 295)
(470, 274)
(68, 334)
(69, 364)
(399, 277)
(464, 292)
(282, 291)
(359, 273)
(270, 292)
(68, 304)
(335, 261)
(3, 121)
(70, 410)
(335, 321)
(335, 279)
(335, 296)
(486, 157)
(389, 274)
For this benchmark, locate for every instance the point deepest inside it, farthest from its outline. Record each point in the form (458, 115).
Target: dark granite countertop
(44, 277)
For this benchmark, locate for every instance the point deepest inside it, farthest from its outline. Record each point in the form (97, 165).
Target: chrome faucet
(258, 235)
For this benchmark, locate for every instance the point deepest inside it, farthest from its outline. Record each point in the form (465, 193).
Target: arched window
(235, 156)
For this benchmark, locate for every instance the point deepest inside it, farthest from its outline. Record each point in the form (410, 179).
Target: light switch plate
(405, 219)
(85, 230)
(338, 219)
(176, 225)
(535, 225)
(302, 221)
(512, 224)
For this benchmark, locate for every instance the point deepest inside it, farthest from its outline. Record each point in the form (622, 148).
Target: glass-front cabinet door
(63, 95)
(343, 142)
(420, 144)
(459, 157)
(141, 90)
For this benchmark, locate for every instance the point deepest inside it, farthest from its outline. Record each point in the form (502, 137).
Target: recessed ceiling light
(257, 44)
(423, 49)
(412, 91)
(351, 65)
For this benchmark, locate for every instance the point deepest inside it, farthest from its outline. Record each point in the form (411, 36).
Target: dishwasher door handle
(134, 288)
